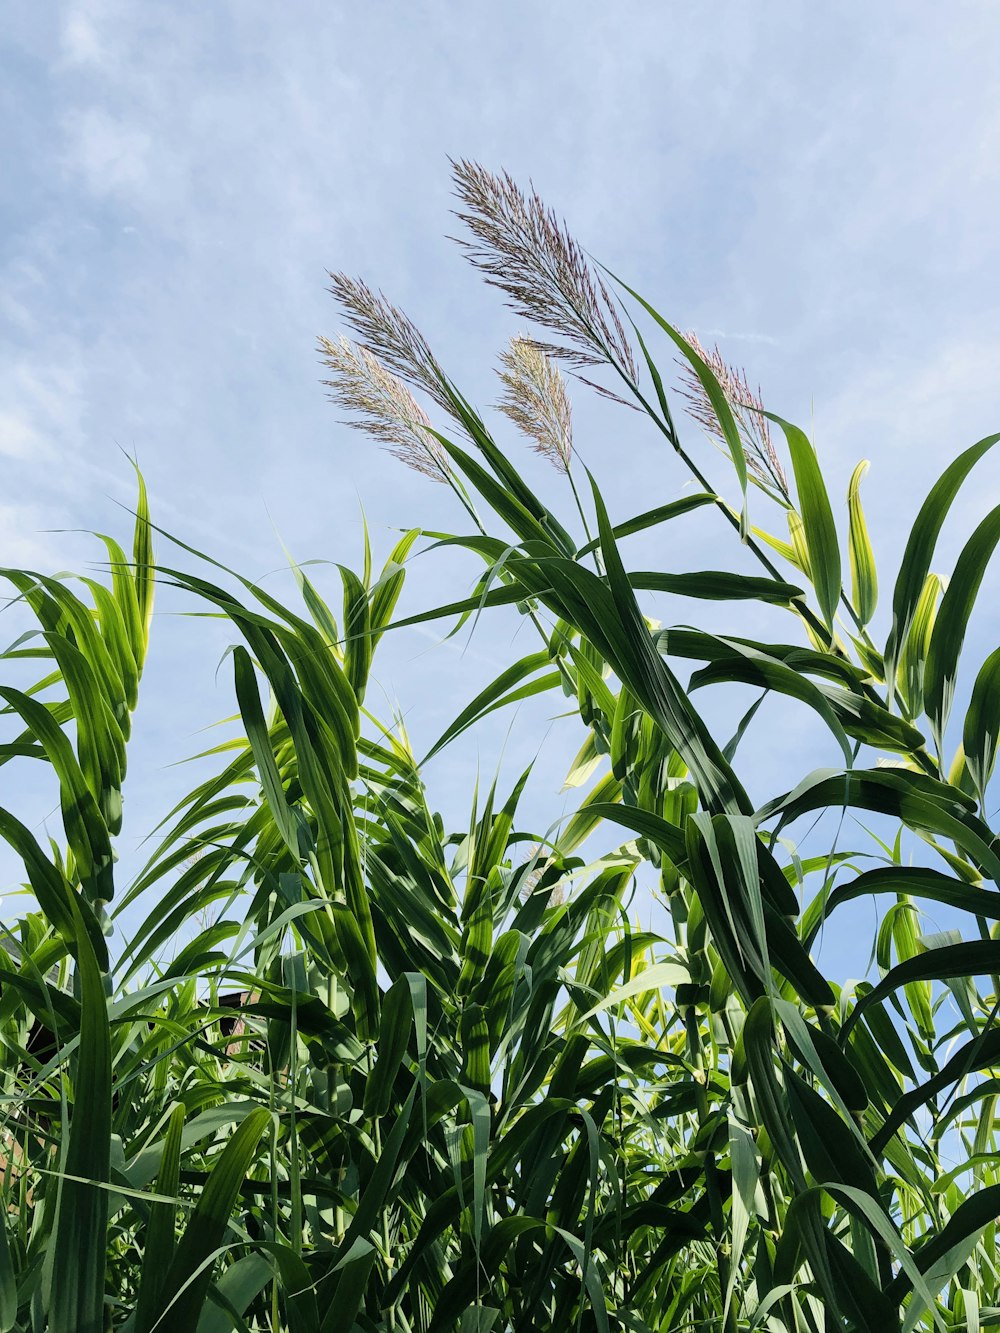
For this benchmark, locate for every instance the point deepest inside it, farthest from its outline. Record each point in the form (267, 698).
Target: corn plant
(348, 1065)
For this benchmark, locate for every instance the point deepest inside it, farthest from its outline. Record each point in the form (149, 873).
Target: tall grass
(402, 1076)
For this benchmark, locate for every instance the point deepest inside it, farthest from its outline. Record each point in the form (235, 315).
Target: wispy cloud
(728, 334)
(81, 40)
(40, 401)
(112, 156)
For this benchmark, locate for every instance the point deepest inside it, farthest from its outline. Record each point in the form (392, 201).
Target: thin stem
(598, 562)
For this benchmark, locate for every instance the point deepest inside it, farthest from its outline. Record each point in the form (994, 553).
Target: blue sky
(814, 186)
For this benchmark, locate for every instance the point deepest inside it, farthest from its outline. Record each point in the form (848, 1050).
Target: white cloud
(81, 44)
(937, 394)
(110, 154)
(767, 338)
(18, 438)
(41, 399)
(23, 543)
(94, 37)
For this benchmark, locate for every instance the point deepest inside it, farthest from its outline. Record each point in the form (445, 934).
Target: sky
(814, 187)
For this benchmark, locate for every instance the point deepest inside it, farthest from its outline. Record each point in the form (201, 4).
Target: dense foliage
(354, 1069)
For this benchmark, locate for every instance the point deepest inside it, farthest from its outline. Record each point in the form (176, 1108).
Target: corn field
(353, 1069)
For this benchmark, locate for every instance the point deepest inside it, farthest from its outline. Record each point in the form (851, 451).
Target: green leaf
(518, 510)
(751, 667)
(971, 1216)
(652, 517)
(982, 724)
(238, 1286)
(982, 1052)
(716, 396)
(817, 519)
(357, 632)
(913, 658)
(158, 1250)
(641, 668)
(360, 970)
(651, 979)
(498, 694)
(952, 621)
(186, 1284)
(144, 568)
(716, 585)
(395, 1029)
(920, 545)
(919, 801)
(8, 1284)
(256, 728)
(386, 592)
(864, 578)
(758, 1042)
(86, 829)
(914, 880)
(475, 1036)
(834, 1151)
(968, 959)
(354, 1269)
(746, 1175)
(799, 546)
(76, 1257)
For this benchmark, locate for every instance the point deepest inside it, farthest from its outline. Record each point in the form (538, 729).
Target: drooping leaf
(921, 544)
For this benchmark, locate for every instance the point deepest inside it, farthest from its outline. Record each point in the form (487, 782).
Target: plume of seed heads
(525, 250)
(557, 893)
(383, 405)
(762, 457)
(535, 399)
(390, 336)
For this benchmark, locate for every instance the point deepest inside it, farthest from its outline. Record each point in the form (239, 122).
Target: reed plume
(522, 247)
(748, 409)
(384, 406)
(391, 336)
(535, 399)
